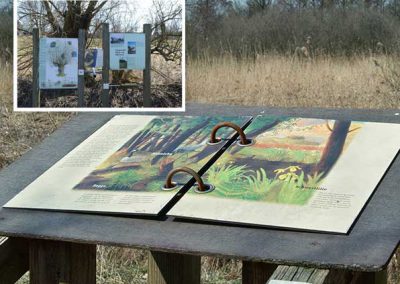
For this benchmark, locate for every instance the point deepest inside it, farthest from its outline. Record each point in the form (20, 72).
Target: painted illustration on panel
(288, 162)
(58, 63)
(144, 161)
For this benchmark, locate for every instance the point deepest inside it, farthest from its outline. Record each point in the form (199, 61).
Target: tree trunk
(166, 166)
(180, 139)
(208, 150)
(133, 140)
(137, 140)
(61, 71)
(154, 142)
(334, 147)
(144, 140)
(167, 138)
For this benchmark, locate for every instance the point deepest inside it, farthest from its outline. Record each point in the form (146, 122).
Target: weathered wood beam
(173, 268)
(256, 272)
(35, 68)
(105, 95)
(81, 67)
(325, 276)
(52, 262)
(147, 71)
(14, 259)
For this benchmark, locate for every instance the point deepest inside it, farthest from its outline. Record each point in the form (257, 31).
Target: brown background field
(284, 81)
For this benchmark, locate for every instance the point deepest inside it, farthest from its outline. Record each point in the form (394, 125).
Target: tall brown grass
(21, 131)
(5, 80)
(282, 81)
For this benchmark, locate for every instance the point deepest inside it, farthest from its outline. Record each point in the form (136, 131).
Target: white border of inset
(94, 109)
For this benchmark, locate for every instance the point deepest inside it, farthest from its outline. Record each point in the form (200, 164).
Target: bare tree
(6, 35)
(60, 54)
(258, 5)
(62, 19)
(166, 18)
(65, 18)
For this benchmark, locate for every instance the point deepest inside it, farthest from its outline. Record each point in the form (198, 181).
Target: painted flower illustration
(293, 169)
(288, 173)
(279, 171)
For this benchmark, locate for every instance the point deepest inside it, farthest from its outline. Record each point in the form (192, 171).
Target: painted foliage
(144, 161)
(288, 162)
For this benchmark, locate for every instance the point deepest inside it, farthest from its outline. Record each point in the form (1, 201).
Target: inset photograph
(99, 54)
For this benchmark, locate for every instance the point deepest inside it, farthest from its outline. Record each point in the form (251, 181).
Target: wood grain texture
(147, 70)
(105, 95)
(52, 262)
(14, 259)
(381, 277)
(322, 276)
(35, 68)
(368, 247)
(173, 268)
(256, 272)
(81, 66)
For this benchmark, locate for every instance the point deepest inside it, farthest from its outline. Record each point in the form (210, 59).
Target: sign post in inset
(35, 69)
(105, 99)
(81, 67)
(147, 70)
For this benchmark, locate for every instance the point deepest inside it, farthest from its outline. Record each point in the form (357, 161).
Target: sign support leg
(81, 67)
(105, 95)
(35, 69)
(55, 262)
(147, 70)
(256, 272)
(173, 268)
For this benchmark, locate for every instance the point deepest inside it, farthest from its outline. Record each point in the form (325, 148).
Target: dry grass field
(279, 81)
(22, 131)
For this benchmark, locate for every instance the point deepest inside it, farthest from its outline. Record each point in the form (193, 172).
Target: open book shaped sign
(287, 172)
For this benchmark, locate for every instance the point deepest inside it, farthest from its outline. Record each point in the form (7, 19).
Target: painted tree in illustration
(155, 150)
(60, 54)
(334, 146)
(177, 141)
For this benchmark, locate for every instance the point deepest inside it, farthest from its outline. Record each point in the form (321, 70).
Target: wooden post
(381, 277)
(52, 262)
(105, 95)
(14, 259)
(147, 70)
(81, 67)
(256, 272)
(35, 68)
(166, 268)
